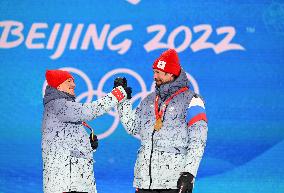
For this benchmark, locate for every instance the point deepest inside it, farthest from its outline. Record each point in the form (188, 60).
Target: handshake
(128, 90)
(123, 82)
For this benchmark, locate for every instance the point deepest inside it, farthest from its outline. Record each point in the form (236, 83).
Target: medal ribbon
(159, 114)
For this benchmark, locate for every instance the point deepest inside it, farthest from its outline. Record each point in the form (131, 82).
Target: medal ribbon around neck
(159, 114)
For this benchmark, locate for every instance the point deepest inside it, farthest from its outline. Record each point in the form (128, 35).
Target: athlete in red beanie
(168, 62)
(67, 149)
(56, 77)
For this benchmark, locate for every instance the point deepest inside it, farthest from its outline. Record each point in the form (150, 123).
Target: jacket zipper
(152, 149)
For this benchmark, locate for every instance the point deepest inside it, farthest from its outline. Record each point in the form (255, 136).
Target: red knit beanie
(56, 77)
(168, 62)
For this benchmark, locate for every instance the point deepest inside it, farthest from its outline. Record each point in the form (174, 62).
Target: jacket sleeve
(197, 133)
(129, 118)
(68, 111)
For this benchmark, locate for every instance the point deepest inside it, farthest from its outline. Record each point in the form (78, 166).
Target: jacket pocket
(141, 170)
(170, 165)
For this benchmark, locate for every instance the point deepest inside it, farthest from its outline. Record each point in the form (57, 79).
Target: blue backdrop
(233, 52)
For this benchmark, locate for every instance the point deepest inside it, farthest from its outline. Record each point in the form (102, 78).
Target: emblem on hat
(161, 64)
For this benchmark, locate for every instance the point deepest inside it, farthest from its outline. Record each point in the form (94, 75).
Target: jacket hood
(52, 94)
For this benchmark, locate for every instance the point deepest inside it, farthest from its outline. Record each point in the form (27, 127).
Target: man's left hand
(94, 141)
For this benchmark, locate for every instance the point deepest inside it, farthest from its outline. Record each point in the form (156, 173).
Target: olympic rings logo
(90, 93)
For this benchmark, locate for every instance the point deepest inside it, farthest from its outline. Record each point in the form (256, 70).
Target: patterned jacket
(178, 146)
(66, 151)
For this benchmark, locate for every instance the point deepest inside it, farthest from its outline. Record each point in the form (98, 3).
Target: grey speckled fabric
(66, 151)
(176, 148)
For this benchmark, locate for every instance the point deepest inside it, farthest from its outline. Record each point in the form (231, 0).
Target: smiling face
(67, 86)
(161, 77)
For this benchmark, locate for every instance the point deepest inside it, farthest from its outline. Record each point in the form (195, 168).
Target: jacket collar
(53, 94)
(166, 90)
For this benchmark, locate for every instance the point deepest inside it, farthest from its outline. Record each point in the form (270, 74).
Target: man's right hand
(185, 182)
(119, 81)
(123, 82)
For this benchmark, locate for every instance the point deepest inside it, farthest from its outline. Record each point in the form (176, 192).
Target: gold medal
(158, 125)
(159, 114)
